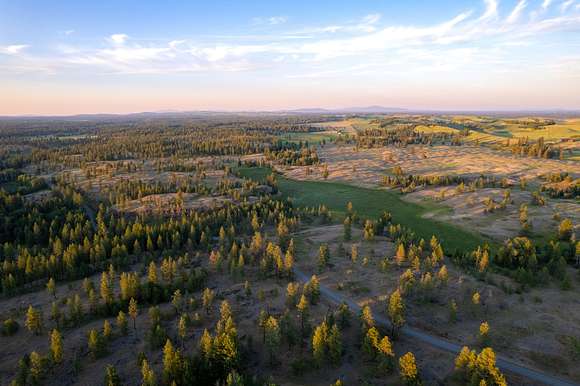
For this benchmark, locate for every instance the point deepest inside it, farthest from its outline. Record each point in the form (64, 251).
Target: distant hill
(352, 110)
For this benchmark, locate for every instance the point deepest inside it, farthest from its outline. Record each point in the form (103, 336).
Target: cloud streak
(467, 33)
(13, 49)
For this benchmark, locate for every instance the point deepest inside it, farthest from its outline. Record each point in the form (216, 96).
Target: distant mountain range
(363, 110)
(351, 110)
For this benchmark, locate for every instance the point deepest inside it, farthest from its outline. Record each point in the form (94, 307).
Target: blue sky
(65, 57)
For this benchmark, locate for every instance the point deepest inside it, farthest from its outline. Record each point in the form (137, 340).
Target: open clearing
(369, 203)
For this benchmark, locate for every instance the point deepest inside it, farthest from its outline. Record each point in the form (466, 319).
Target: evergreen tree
(347, 229)
(323, 256)
(111, 376)
(366, 317)
(122, 322)
(33, 320)
(147, 374)
(369, 230)
(106, 290)
(56, 348)
(207, 300)
(354, 253)
(371, 342)
(386, 355)
(51, 287)
(408, 370)
(36, 367)
(479, 368)
(272, 336)
(396, 311)
(107, 330)
(302, 308)
(133, 312)
(95, 344)
(334, 345)
(400, 255)
(172, 363)
(319, 345)
(312, 289)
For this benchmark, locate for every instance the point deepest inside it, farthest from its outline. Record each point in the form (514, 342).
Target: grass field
(370, 203)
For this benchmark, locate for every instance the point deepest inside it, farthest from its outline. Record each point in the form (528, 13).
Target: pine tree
(371, 342)
(334, 345)
(172, 363)
(36, 367)
(122, 322)
(292, 294)
(111, 376)
(207, 300)
(33, 320)
(177, 300)
(479, 368)
(272, 336)
(484, 333)
(385, 355)
(483, 262)
(408, 369)
(476, 298)
(400, 255)
(152, 273)
(55, 314)
(262, 320)
(106, 291)
(367, 319)
(442, 275)
(319, 346)
(369, 230)
(347, 229)
(565, 229)
(302, 308)
(107, 330)
(182, 329)
(147, 374)
(206, 345)
(354, 253)
(396, 311)
(95, 344)
(133, 312)
(56, 349)
(51, 287)
(452, 311)
(289, 263)
(312, 289)
(323, 256)
(343, 315)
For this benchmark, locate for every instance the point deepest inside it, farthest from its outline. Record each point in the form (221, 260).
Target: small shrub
(10, 327)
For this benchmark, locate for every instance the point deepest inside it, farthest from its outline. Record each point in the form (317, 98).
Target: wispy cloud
(517, 11)
(118, 38)
(546, 4)
(565, 5)
(463, 36)
(272, 20)
(490, 10)
(13, 49)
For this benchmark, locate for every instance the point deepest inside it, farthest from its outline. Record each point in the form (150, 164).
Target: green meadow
(370, 203)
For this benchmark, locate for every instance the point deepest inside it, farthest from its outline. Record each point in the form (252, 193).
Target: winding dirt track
(439, 343)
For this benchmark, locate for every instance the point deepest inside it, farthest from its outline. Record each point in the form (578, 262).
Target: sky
(115, 56)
